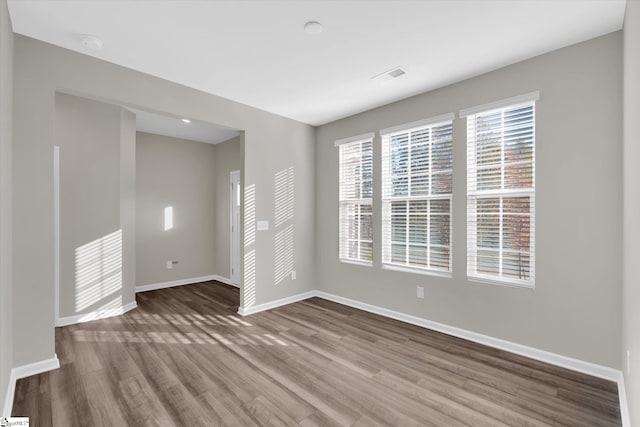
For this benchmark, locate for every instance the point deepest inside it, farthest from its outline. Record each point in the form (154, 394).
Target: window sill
(356, 262)
(424, 272)
(506, 283)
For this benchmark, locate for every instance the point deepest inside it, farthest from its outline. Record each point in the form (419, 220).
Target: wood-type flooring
(184, 357)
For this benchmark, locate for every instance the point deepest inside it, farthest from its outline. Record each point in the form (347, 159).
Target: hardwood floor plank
(185, 357)
(103, 405)
(33, 396)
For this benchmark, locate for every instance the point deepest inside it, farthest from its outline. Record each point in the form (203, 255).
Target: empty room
(320, 213)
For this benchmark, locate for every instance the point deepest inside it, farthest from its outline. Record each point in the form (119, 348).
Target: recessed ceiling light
(186, 120)
(91, 42)
(313, 27)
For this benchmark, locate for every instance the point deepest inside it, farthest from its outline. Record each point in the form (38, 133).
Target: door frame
(235, 278)
(56, 235)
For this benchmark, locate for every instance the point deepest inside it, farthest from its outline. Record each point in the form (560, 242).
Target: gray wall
(227, 160)
(95, 152)
(128, 203)
(181, 174)
(631, 226)
(575, 307)
(270, 144)
(6, 283)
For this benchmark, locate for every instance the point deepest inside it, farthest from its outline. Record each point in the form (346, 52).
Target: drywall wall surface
(285, 186)
(631, 211)
(271, 144)
(6, 282)
(227, 160)
(244, 215)
(128, 203)
(176, 207)
(93, 262)
(575, 307)
(33, 214)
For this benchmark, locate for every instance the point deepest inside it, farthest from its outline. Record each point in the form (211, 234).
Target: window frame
(344, 202)
(473, 195)
(387, 199)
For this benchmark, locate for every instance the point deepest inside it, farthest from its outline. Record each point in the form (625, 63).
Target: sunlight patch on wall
(284, 195)
(249, 278)
(249, 215)
(284, 212)
(98, 270)
(168, 218)
(109, 309)
(283, 254)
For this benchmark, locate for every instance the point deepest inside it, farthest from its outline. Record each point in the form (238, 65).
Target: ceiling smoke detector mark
(313, 27)
(393, 73)
(91, 42)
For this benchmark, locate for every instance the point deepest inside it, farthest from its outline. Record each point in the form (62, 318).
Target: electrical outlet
(170, 264)
(420, 290)
(293, 275)
(628, 362)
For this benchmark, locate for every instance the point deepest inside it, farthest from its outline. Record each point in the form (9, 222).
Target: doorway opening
(236, 193)
(141, 202)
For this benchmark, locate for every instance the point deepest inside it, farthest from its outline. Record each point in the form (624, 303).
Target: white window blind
(416, 196)
(356, 192)
(501, 194)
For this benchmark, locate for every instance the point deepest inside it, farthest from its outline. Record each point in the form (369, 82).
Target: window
(501, 191)
(356, 192)
(416, 195)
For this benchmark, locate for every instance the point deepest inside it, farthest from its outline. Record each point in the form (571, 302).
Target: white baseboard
(23, 372)
(624, 404)
(573, 364)
(36, 368)
(570, 363)
(588, 368)
(95, 315)
(191, 281)
(225, 280)
(523, 350)
(245, 311)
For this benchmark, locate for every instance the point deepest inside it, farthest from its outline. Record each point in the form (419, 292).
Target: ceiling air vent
(393, 73)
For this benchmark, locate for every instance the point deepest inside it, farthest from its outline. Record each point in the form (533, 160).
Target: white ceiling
(256, 52)
(175, 127)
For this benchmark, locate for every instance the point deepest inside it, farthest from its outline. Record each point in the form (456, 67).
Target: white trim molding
(36, 368)
(364, 137)
(566, 362)
(245, 311)
(530, 352)
(190, 281)
(56, 231)
(95, 315)
(226, 281)
(23, 372)
(624, 404)
(520, 99)
(232, 205)
(419, 123)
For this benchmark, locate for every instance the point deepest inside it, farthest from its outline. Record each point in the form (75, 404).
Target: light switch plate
(263, 225)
